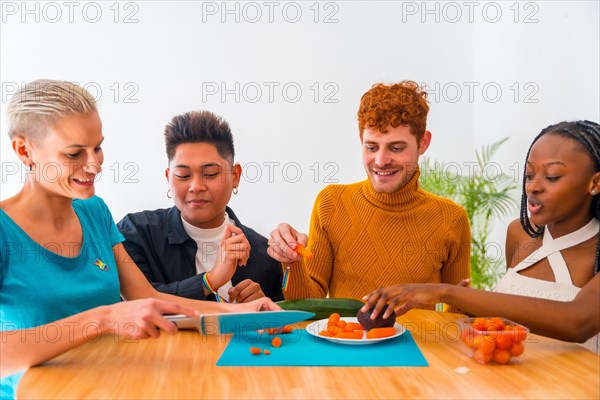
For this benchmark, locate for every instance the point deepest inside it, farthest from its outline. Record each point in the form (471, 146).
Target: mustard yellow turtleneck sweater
(363, 240)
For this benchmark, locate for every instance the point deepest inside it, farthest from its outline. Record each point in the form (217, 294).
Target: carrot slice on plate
(377, 333)
(349, 335)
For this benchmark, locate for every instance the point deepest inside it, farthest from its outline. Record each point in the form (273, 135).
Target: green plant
(484, 197)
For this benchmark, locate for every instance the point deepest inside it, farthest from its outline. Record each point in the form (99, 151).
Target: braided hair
(588, 134)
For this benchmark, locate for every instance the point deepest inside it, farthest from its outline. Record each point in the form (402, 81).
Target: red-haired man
(384, 230)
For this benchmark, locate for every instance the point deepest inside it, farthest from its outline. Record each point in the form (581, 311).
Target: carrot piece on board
(276, 342)
(304, 252)
(277, 331)
(377, 333)
(267, 352)
(254, 350)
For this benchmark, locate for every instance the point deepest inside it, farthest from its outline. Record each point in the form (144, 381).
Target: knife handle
(183, 321)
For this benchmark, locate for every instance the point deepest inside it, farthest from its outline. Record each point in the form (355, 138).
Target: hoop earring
(169, 195)
(235, 190)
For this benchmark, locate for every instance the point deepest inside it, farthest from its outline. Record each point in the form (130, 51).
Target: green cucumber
(323, 308)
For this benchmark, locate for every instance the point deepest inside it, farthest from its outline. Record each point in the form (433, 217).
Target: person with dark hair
(384, 230)
(199, 248)
(552, 251)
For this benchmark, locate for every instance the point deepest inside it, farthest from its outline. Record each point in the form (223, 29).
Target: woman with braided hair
(552, 251)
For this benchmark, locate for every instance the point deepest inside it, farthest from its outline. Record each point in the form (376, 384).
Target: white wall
(151, 60)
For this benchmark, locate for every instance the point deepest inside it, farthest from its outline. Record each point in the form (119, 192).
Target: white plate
(321, 325)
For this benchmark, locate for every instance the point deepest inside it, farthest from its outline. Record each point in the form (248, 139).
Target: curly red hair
(403, 103)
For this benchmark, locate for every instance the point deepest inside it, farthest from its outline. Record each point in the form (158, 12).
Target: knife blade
(210, 324)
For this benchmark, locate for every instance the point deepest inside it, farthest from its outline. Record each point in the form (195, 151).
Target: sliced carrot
(326, 333)
(333, 319)
(377, 333)
(267, 352)
(276, 342)
(304, 252)
(353, 326)
(277, 331)
(342, 324)
(254, 350)
(348, 335)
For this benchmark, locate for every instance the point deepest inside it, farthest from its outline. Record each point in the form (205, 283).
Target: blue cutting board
(300, 348)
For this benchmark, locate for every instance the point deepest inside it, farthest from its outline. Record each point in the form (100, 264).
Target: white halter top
(562, 289)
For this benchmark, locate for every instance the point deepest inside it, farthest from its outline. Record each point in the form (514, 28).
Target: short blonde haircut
(40, 103)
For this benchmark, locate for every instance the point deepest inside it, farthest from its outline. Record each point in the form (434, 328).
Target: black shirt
(157, 242)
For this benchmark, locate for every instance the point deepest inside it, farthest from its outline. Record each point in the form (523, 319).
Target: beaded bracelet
(210, 289)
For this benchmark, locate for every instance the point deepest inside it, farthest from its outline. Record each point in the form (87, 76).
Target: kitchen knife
(209, 324)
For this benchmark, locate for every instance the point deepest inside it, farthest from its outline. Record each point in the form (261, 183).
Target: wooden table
(183, 366)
